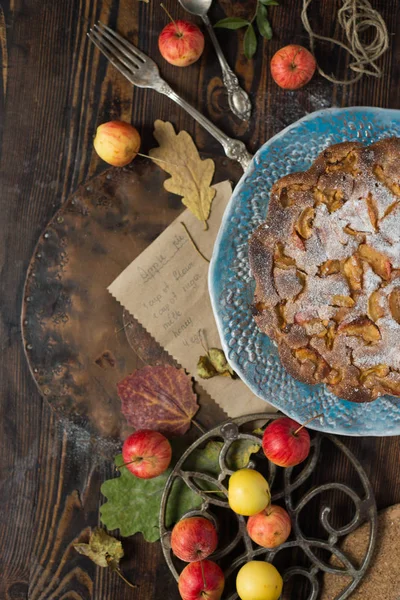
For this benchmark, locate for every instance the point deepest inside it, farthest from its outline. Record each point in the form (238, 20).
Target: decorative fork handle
(239, 101)
(234, 149)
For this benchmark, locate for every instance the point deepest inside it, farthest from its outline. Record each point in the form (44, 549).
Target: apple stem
(293, 67)
(178, 31)
(135, 460)
(202, 574)
(307, 422)
(159, 160)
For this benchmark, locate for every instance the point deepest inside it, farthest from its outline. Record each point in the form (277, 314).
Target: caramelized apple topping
(260, 307)
(378, 262)
(315, 327)
(281, 260)
(394, 304)
(307, 354)
(339, 300)
(358, 234)
(335, 376)
(375, 308)
(361, 327)
(330, 336)
(372, 211)
(329, 267)
(352, 269)
(287, 195)
(332, 198)
(377, 371)
(304, 223)
(380, 174)
(280, 313)
(391, 387)
(346, 165)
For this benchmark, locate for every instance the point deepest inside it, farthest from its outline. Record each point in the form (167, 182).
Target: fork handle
(234, 149)
(238, 99)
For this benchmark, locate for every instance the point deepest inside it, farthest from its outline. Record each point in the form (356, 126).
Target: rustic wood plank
(54, 90)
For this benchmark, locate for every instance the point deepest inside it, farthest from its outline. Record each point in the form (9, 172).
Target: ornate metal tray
(298, 488)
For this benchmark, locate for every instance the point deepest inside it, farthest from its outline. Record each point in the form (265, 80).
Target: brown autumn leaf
(102, 549)
(190, 176)
(160, 398)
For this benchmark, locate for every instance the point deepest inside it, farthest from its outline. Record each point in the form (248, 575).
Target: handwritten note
(166, 290)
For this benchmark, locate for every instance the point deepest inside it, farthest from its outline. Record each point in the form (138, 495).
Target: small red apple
(181, 43)
(270, 528)
(146, 453)
(282, 445)
(292, 67)
(194, 538)
(201, 580)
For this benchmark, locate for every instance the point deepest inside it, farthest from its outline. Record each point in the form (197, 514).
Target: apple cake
(327, 268)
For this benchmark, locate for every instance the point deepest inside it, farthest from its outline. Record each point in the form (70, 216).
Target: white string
(355, 17)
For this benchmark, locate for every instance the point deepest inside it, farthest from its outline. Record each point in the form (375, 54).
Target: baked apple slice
(361, 327)
(378, 261)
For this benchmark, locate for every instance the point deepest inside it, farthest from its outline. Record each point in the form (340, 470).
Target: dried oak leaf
(190, 176)
(102, 549)
(133, 504)
(158, 398)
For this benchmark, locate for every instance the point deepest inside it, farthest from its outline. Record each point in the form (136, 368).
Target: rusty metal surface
(296, 487)
(73, 330)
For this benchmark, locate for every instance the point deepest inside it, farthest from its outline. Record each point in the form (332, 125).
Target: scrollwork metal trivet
(364, 510)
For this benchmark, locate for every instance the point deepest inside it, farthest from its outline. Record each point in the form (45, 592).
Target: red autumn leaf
(160, 398)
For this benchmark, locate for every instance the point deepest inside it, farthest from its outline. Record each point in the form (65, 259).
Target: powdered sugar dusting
(385, 352)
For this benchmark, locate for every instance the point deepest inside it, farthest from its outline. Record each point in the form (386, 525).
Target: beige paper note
(166, 290)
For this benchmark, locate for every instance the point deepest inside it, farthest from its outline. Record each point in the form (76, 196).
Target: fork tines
(123, 55)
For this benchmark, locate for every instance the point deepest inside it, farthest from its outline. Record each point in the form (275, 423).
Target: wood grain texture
(55, 90)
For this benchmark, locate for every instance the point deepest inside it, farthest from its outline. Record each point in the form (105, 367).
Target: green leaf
(232, 23)
(133, 504)
(249, 42)
(103, 549)
(262, 22)
(269, 2)
(206, 460)
(239, 454)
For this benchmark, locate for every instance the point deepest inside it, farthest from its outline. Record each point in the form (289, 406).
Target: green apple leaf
(250, 42)
(263, 24)
(239, 454)
(206, 460)
(232, 23)
(269, 2)
(133, 504)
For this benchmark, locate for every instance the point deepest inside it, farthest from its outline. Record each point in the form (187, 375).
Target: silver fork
(142, 71)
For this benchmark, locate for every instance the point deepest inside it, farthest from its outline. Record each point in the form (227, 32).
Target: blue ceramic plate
(250, 352)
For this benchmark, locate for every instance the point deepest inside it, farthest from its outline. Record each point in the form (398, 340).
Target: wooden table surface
(54, 90)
